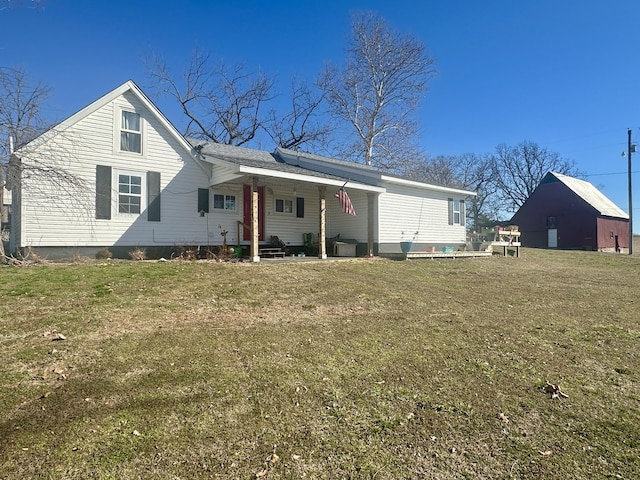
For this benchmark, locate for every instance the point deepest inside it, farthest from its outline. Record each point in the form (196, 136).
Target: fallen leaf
(546, 453)
(273, 458)
(136, 433)
(262, 473)
(295, 457)
(504, 418)
(47, 394)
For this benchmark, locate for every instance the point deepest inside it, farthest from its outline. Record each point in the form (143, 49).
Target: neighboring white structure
(144, 185)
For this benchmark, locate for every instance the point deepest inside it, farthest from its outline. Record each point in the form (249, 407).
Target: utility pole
(630, 148)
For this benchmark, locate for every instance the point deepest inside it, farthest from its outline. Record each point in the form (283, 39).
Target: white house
(138, 183)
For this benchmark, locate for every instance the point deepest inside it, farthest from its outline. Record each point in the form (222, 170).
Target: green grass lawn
(324, 370)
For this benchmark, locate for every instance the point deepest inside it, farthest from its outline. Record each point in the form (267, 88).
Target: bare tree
(378, 90)
(475, 171)
(517, 170)
(468, 171)
(222, 104)
(33, 153)
(439, 170)
(20, 121)
(301, 125)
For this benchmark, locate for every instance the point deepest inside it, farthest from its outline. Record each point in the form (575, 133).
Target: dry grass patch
(361, 369)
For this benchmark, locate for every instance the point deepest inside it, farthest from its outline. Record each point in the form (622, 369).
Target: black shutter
(450, 211)
(300, 207)
(103, 192)
(203, 200)
(153, 196)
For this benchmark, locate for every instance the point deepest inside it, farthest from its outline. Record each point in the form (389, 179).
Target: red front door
(246, 210)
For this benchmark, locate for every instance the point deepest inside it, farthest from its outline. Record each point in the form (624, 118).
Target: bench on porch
(271, 252)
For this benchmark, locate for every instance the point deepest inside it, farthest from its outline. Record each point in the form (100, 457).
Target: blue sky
(564, 74)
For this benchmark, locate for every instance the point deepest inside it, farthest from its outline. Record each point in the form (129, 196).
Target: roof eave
(427, 186)
(308, 179)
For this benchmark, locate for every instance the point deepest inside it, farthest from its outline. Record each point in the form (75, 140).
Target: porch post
(322, 247)
(371, 197)
(255, 257)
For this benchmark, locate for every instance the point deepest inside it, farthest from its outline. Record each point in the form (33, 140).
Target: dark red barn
(567, 213)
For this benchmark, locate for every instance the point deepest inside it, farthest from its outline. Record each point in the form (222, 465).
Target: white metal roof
(592, 196)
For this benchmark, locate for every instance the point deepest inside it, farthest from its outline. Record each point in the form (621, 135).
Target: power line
(608, 173)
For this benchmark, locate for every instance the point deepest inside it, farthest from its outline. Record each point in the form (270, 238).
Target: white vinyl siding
(408, 210)
(53, 216)
(287, 227)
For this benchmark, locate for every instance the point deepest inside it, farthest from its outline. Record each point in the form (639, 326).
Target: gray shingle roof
(249, 157)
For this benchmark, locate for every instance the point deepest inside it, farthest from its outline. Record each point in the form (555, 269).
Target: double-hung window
(131, 132)
(284, 205)
(224, 202)
(457, 214)
(129, 193)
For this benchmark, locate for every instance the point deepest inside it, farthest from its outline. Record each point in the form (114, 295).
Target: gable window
(224, 202)
(284, 205)
(129, 193)
(131, 132)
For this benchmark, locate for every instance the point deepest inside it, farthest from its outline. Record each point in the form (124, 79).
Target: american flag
(345, 202)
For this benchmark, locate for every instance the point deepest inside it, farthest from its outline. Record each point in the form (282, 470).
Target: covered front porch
(283, 217)
(273, 209)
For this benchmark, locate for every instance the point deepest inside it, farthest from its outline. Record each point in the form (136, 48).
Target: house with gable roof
(568, 213)
(143, 185)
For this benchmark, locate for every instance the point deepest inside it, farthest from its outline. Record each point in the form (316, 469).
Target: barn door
(246, 211)
(552, 235)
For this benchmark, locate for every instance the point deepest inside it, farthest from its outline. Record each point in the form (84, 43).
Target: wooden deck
(465, 254)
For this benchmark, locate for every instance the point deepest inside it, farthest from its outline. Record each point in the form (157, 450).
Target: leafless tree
(468, 171)
(223, 104)
(302, 124)
(517, 170)
(439, 170)
(33, 153)
(20, 122)
(378, 90)
(475, 171)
